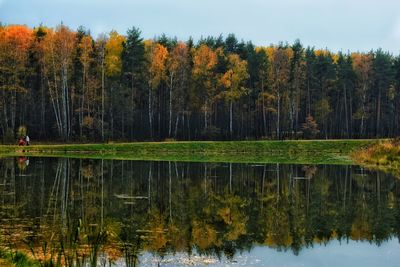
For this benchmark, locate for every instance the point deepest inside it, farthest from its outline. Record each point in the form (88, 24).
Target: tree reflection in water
(83, 211)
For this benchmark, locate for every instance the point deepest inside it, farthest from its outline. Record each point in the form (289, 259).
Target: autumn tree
(233, 82)
(279, 73)
(113, 60)
(204, 62)
(59, 48)
(157, 57)
(88, 95)
(15, 41)
(178, 76)
(310, 127)
(100, 47)
(362, 65)
(113, 71)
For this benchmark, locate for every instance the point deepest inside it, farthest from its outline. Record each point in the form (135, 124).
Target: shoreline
(287, 151)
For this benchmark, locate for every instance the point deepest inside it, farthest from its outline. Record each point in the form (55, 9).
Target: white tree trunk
(170, 106)
(150, 115)
(102, 97)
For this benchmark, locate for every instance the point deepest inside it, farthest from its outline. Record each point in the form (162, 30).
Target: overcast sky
(355, 25)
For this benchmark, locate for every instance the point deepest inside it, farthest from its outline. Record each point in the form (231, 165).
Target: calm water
(129, 213)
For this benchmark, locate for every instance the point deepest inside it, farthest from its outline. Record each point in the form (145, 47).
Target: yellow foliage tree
(204, 61)
(233, 81)
(279, 74)
(114, 48)
(177, 65)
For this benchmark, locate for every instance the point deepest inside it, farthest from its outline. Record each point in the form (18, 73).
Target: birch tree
(157, 55)
(279, 78)
(178, 75)
(204, 61)
(233, 81)
(59, 47)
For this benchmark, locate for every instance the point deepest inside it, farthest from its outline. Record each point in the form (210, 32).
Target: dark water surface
(83, 212)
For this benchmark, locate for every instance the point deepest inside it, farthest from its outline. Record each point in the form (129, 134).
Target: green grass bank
(293, 151)
(383, 155)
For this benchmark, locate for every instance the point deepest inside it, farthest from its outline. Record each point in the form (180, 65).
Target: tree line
(66, 85)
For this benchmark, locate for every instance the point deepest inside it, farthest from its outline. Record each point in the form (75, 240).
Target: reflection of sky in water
(351, 254)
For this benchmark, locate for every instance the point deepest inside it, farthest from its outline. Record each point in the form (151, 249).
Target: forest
(67, 85)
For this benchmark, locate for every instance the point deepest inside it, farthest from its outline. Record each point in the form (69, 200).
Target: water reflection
(82, 211)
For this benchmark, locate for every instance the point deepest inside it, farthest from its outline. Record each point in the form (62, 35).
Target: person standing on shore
(27, 140)
(21, 142)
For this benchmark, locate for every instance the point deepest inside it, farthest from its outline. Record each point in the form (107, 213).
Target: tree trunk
(309, 97)
(345, 110)
(132, 108)
(55, 97)
(150, 115)
(278, 126)
(67, 106)
(111, 113)
(263, 108)
(82, 102)
(231, 118)
(170, 106)
(205, 114)
(64, 104)
(176, 125)
(102, 97)
(378, 112)
(43, 106)
(56, 110)
(13, 108)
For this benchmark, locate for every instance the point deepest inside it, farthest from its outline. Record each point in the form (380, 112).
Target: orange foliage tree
(157, 56)
(15, 41)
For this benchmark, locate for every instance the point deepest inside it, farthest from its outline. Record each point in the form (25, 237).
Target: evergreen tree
(133, 64)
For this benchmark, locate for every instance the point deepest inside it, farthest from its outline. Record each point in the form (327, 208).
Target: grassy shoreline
(383, 155)
(293, 151)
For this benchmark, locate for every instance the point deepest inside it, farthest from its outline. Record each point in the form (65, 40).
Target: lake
(85, 212)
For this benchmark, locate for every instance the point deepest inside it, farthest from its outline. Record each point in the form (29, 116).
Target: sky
(339, 25)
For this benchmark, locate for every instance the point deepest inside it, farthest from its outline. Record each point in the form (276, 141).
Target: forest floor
(293, 151)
